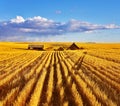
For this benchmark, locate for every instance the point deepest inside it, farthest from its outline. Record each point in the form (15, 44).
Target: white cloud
(81, 26)
(38, 18)
(88, 32)
(40, 26)
(18, 19)
(112, 26)
(28, 30)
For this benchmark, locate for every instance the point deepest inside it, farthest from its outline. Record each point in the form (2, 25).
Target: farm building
(38, 47)
(73, 47)
(60, 49)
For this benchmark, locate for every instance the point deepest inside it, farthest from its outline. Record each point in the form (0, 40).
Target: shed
(60, 49)
(38, 47)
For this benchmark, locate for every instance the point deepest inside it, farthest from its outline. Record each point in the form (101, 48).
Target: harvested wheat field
(85, 77)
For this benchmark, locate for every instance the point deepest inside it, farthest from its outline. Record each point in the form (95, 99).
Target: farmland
(87, 77)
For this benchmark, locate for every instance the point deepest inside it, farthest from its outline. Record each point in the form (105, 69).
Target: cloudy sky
(60, 20)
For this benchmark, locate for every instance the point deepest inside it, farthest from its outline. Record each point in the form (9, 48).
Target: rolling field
(87, 77)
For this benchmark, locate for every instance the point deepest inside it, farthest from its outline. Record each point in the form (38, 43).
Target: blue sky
(60, 20)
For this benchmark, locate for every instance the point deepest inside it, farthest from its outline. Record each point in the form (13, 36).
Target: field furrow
(86, 77)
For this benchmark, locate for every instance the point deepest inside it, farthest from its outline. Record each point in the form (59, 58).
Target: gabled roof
(73, 47)
(60, 48)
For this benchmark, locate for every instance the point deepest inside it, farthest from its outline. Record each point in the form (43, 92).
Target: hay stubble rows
(60, 78)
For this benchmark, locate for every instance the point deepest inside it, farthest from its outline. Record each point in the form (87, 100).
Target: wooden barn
(73, 47)
(38, 47)
(60, 49)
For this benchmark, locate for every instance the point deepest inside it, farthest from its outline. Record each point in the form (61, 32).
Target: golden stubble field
(85, 77)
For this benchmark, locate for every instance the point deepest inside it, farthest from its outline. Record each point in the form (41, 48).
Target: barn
(73, 47)
(60, 49)
(38, 47)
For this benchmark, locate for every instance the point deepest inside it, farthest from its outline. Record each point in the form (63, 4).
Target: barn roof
(60, 48)
(73, 47)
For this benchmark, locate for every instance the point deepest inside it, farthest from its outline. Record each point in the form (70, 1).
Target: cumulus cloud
(18, 19)
(112, 26)
(40, 26)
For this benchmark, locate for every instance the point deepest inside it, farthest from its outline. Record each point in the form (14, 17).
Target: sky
(60, 20)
